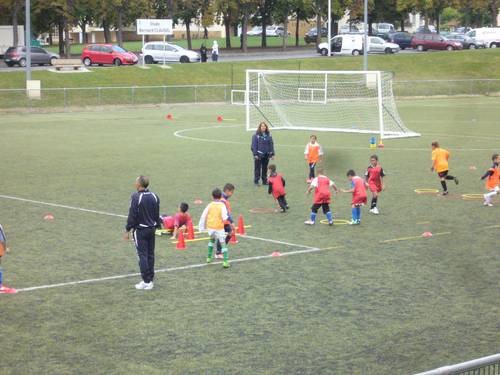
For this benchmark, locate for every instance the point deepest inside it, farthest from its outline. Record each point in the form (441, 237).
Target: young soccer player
(212, 221)
(322, 196)
(358, 191)
(3, 249)
(440, 158)
(227, 192)
(179, 221)
(313, 154)
(277, 187)
(492, 177)
(375, 181)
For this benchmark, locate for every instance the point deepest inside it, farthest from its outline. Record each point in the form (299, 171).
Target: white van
(489, 35)
(345, 44)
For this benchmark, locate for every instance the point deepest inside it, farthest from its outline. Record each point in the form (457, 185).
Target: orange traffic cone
(169, 116)
(181, 244)
(233, 239)
(190, 231)
(241, 226)
(219, 118)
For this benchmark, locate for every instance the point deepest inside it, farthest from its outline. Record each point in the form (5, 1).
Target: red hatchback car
(423, 42)
(107, 54)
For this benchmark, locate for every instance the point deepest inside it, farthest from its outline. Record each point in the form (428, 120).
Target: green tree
(303, 10)
(186, 11)
(245, 9)
(227, 11)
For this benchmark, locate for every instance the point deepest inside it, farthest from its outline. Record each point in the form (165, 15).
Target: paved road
(269, 54)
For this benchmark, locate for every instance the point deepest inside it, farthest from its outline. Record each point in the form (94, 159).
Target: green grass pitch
(377, 298)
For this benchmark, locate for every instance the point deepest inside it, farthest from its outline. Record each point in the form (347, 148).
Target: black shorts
(227, 228)
(316, 206)
(443, 174)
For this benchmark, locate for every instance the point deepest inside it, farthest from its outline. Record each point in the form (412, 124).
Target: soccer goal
(341, 101)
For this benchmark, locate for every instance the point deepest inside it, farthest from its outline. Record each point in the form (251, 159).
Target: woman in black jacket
(262, 150)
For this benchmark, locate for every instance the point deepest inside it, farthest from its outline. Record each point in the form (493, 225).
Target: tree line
(61, 15)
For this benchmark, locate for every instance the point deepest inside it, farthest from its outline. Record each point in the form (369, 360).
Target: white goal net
(342, 101)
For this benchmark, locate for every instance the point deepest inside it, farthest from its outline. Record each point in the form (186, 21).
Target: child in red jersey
(277, 187)
(374, 177)
(3, 249)
(179, 221)
(227, 192)
(358, 191)
(322, 196)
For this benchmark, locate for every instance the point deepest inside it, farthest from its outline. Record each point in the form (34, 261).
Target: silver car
(39, 56)
(155, 52)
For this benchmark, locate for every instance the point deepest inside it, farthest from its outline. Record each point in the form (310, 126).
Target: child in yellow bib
(212, 221)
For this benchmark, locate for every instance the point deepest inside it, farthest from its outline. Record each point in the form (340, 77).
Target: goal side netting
(341, 101)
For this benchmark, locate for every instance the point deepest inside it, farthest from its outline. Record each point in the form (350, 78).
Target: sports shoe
(225, 264)
(444, 193)
(219, 256)
(330, 223)
(141, 285)
(308, 181)
(488, 204)
(456, 181)
(148, 286)
(209, 260)
(355, 222)
(374, 211)
(309, 222)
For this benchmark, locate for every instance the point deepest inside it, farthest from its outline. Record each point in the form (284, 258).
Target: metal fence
(482, 366)
(137, 95)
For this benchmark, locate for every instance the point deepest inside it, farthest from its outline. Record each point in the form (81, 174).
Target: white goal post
(341, 101)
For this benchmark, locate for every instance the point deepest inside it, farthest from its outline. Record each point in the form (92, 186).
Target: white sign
(154, 27)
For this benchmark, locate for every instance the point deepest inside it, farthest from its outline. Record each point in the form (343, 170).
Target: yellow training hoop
(336, 221)
(471, 197)
(426, 191)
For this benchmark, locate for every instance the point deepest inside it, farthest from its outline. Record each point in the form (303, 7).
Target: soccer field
(371, 299)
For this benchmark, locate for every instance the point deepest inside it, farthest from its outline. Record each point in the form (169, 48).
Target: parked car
(256, 31)
(426, 29)
(107, 54)
(489, 35)
(424, 42)
(467, 42)
(350, 29)
(39, 56)
(155, 52)
(401, 38)
(311, 35)
(275, 31)
(379, 45)
(385, 28)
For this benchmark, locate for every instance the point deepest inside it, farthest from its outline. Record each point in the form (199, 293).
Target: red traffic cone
(427, 234)
(241, 226)
(49, 217)
(169, 116)
(219, 118)
(181, 244)
(275, 254)
(190, 231)
(233, 239)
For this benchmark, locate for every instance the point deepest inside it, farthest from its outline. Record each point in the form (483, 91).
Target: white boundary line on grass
(179, 134)
(307, 250)
(62, 206)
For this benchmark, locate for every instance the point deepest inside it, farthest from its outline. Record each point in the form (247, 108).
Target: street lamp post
(365, 38)
(27, 38)
(329, 28)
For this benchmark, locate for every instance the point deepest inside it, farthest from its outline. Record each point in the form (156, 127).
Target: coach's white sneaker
(148, 286)
(374, 211)
(141, 285)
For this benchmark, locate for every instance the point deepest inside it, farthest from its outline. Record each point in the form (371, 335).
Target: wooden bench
(75, 64)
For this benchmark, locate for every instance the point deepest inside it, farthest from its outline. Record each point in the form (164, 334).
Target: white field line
(174, 269)
(274, 241)
(180, 134)
(62, 206)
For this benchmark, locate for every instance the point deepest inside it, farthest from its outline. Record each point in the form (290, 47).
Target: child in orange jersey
(492, 177)
(440, 158)
(212, 221)
(313, 154)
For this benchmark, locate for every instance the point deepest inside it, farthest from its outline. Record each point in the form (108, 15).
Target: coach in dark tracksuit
(143, 219)
(262, 150)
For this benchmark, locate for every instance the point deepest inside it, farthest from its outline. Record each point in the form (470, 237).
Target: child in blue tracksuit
(3, 250)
